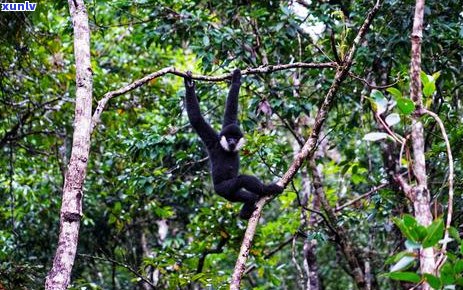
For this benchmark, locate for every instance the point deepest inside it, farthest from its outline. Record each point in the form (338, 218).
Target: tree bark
(419, 193)
(71, 207)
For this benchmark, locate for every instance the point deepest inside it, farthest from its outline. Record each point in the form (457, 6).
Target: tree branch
(172, 70)
(307, 150)
(368, 84)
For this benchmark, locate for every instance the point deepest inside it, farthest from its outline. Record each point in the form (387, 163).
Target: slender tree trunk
(71, 207)
(419, 193)
(310, 246)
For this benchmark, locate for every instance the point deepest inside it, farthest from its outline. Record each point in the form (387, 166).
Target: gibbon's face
(232, 144)
(231, 138)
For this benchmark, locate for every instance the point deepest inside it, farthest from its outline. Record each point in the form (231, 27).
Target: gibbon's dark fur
(223, 150)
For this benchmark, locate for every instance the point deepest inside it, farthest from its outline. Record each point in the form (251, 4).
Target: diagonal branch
(307, 150)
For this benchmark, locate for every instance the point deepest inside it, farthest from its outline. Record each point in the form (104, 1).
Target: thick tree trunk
(71, 207)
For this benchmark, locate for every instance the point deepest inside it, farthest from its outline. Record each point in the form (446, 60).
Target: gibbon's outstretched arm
(231, 109)
(204, 130)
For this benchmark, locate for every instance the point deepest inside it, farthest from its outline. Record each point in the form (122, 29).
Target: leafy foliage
(149, 207)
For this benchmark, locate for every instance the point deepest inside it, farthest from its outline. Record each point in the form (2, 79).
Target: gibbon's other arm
(204, 130)
(231, 108)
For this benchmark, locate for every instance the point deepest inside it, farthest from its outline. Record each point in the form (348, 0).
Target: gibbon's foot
(273, 189)
(247, 210)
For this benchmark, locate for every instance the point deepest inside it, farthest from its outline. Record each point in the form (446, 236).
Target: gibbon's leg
(247, 209)
(254, 185)
(231, 190)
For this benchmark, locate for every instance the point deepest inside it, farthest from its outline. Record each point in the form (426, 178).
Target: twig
(348, 249)
(296, 136)
(296, 264)
(368, 84)
(349, 203)
(128, 267)
(303, 3)
(405, 186)
(402, 147)
(394, 136)
(218, 249)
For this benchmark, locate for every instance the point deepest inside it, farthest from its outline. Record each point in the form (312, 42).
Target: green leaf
(411, 229)
(395, 93)
(403, 263)
(379, 101)
(405, 276)
(198, 276)
(409, 221)
(206, 41)
(406, 106)
(395, 258)
(454, 234)
(436, 75)
(411, 246)
(117, 207)
(435, 233)
(458, 268)
(459, 281)
(424, 78)
(357, 178)
(447, 275)
(433, 281)
(392, 119)
(429, 89)
(421, 231)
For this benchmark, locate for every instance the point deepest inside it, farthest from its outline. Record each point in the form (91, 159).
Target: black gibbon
(223, 150)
